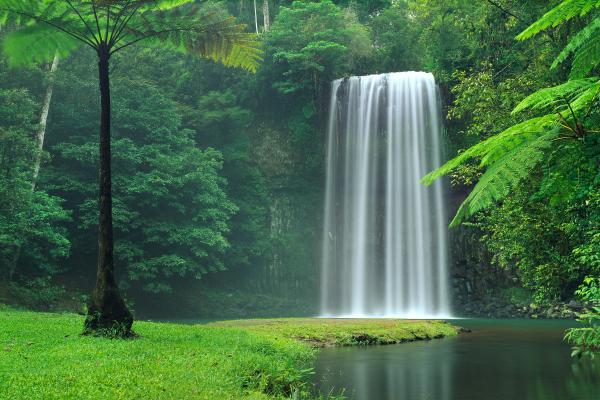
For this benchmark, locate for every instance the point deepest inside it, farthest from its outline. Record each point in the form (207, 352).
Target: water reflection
(500, 360)
(384, 373)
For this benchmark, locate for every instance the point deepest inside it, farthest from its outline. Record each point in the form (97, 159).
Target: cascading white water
(384, 237)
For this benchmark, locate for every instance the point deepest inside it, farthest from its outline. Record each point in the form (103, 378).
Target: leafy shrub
(586, 340)
(37, 293)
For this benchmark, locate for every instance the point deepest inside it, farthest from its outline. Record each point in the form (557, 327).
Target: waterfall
(384, 236)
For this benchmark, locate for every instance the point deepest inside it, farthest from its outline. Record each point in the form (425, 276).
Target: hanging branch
(507, 12)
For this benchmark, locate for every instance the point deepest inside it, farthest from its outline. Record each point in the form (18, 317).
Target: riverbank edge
(42, 355)
(337, 332)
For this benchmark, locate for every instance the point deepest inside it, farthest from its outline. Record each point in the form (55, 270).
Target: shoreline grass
(43, 356)
(327, 332)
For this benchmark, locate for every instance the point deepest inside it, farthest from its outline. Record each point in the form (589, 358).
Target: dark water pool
(499, 360)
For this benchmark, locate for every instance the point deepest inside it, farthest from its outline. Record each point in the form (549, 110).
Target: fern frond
(495, 146)
(40, 29)
(177, 24)
(209, 36)
(583, 100)
(163, 5)
(37, 44)
(590, 32)
(586, 58)
(510, 141)
(502, 175)
(550, 97)
(563, 12)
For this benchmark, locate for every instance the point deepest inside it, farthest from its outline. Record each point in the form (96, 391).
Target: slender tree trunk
(41, 133)
(106, 309)
(255, 17)
(266, 16)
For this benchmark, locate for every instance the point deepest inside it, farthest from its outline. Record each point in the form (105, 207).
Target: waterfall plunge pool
(498, 360)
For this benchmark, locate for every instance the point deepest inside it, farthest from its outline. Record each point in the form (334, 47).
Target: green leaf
(565, 11)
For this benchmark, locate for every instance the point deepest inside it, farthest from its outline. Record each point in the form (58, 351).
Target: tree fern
(590, 32)
(555, 96)
(586, 58)
(506, 171)
(509, 156)
(495, 146)
(565, 11)
(43, 28)
(178, 24)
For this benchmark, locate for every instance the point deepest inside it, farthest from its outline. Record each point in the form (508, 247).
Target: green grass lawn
(42, 356)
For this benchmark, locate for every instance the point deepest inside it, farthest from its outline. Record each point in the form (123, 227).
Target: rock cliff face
(295, 226)
(293, 266)
(475, 281)
(479, 288)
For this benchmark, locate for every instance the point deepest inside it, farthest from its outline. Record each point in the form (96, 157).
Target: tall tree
(266, 15)
(255, 17)
(41, 131)
(109, 26)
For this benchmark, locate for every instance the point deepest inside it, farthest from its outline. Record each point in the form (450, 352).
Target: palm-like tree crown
(49, 27)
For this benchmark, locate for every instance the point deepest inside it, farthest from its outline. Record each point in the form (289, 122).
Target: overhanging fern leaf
(210, 35)
(583, 100)
(586, 58)
(509, 157)
(507, 142)
(552, 96)
(494, 146)
(502, 175)
(590, 32)
(565, 11)
(37, 44)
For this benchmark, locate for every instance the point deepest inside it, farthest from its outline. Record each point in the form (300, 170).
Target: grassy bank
(344, 332)
(42, 356)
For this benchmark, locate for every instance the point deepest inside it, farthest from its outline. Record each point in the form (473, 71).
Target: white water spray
(384, 238)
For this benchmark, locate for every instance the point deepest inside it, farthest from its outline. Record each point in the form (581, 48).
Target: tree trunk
(106, 310)
(41, 133)
(255, 17)
(266, 17)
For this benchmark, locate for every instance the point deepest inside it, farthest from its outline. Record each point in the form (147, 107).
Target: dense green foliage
(586, 341)
(220, 170)
(27, 219)
(172, 212)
